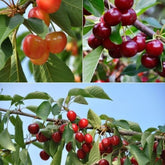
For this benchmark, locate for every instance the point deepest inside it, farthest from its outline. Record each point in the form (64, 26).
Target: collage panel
(58, 124)
(123, 41)
(40, 41)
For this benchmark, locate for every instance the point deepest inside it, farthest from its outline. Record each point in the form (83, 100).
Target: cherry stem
(52, 26)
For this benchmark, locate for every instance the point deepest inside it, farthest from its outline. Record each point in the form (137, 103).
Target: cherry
(122, 160)
(44, 155)
(115, 53)
(106, 142)
(79, 137)
(115, 140)
(86, 147)
(140, 40)
(149, 62)
(56, 42)
(128, 17)
(88, 138)
(128, 48)
(56, 137)
(103, 162)
(142, 35)
(108, 44)
(34, 46)
(144, 79)
(101, 147)
(123, 4)
(49, 6)
(69, 146)
(163, 155)
(41, 138)
(101, 30)
(94, 42)
(81, 154)
(83, 123)
(99, 81)
(154, 48)
(162, 73)
(71, 115)
(112, 17)
(74, 127)
(62, 128)
(134, 161)
(109, 149)
(126, 38)
(86, 12)
(37, 12)
(42, 60)
(125, 143)
(33, 128)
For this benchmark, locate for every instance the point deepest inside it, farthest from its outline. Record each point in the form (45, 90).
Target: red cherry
(44, 155)
(81, 154)
(71, 115)
(125, 143)
(74, 127)
(41, 138)
(122, 160)
(101, 147)
(128, 17)
(37, 12)
(86, 148)
(124, 4)
(126, 38)
(56, 137)
(142, 35)
(112, 17)
(134, 161)
(83, 123)
(106, 142)
(140, 40)
(69, 146)
(109, 149)
(154, 48)
(115, 53)
(99, 81)
(115, 140)
(108, 44)
(101, 30)
(79, 137)
(149, 62)
(94, 42)
(128, 48)
(62, 128)
(144, 79)
(162, 73)
(85, 12)
(49, 6)
(88, 138)
(34, 46)
(33, 128)
(163, 155)
(56, 42)
(103, 162)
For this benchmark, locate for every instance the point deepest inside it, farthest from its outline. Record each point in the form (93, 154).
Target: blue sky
(139, 102)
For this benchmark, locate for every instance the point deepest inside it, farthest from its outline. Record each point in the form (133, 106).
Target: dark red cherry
(103, 162)
(81, 154)
(115, 53)
(112, 17)
(108, 44)
(86, 12)
(141, 42)
(162, 73)
(124, 4)
(94, 42)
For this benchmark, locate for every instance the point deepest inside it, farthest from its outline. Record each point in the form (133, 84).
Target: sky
(139, 102)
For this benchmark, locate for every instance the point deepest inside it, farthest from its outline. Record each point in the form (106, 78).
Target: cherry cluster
(36, 48)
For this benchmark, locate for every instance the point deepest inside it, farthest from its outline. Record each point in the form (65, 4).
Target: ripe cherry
(109, 149)
(115, 53)
(140, 40)
(128, 48)
(108, 44)
(128, 17)
(79, 137)
(37, 12)
(44, 155)
(94, 42)
(122, 160)
(115, 140)
(41, 138)
(88, 138)
(162, 73)
(34, 46)
(101, 30)
(69, 146)
(81, 154)
(106, 142)
(56, 42)
(99, 81)
(163, 155)
(154, 48)
(101, 147)
(149, 62)
(134, 161)
(103, 162)
(83, 123)
(125, 143)
(86, 12)
(33, 128)
(42, 60)
(74, 127)
(71, 115)
(56, 137)
(86, 147)
(123, 4)
(112, 17)
(49, 6)
(62, 128)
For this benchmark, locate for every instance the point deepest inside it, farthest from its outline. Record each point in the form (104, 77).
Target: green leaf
(5, 97)
(32, 108)
(5, 140)
(144, 137)
(152, 22)
(56, 109)
(143, 4)
(79, 92)
(94, 154)
(54, 70)
(6, 52)
(162, 128)
(19, 138)
(87, 28)
(115, 34)
(58, 155)
(138, 154)
(80, 100)
(17, 99)
(94, 119)
(134, 126)
(52, 147)
(8, 25)
(127, 162)
(43, 110)
(90, 63)
(150, 143)
(68, 133)
(96, 7)
(24, 157)
(122, 123)
(72, 159)
(131, 70)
